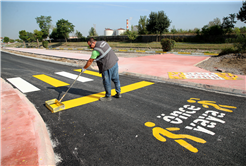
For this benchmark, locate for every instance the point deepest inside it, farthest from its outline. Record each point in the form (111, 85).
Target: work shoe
(105, 98)
(118, 95)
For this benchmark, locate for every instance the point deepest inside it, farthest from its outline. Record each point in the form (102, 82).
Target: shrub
(240, 43)
(45, 44)
(167, 44)
(229, 40)
(225, 51)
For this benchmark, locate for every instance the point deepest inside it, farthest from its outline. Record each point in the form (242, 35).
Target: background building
(120, 31)
(108, 32)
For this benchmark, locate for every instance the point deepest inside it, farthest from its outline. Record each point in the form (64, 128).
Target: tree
(92, 32)
(23, 36)
(237, 30)
(151, 23)
(38, 36)
(158, 23)
(30, 36)
(242, 29)
(142, 25)
(240, 43)
(44, 23)
(6, 39)
(228, 23)
(216, 21)
(78, 34)
(54, 34)
(242, 13)
(64, 28)
(132, 35)
(173, 30)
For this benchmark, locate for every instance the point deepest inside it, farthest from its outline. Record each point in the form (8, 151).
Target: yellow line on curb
(95, 97)
(184, 52)
(160, 52)
(49, 80)
(210, 54)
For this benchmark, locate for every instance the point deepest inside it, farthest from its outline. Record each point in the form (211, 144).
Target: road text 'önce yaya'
(209, 118)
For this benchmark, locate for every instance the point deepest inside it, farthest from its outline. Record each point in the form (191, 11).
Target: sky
(19, 15)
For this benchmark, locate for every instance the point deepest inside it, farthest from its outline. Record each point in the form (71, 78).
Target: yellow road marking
(140, 51)
(49, 80)
(95, 97)
(184, 52)
(90, 72)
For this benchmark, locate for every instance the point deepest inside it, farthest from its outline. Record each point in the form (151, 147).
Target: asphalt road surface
(152, 124)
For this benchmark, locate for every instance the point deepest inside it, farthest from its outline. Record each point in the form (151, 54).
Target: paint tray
(54, 105)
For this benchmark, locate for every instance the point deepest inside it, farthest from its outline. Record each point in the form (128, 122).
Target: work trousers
(111, 75)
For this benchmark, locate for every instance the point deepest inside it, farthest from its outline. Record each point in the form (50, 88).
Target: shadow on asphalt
(62, 90)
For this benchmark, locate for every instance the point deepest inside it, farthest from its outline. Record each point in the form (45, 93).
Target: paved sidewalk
(24, 137)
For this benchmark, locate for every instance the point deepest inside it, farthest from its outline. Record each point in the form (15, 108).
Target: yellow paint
(90, 72)
(95, 97)
(210, 54)
(140, 51)
(160, 52)
(206, 104)
(186, 145)
(173, 129)
(159, 134)
(49, 80)
(184, 52)
(227, 76)
(176, 75)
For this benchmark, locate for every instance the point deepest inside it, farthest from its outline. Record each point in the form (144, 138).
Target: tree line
(157, 23)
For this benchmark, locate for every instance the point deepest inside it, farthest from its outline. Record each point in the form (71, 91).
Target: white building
(120, 31)
(108, 32)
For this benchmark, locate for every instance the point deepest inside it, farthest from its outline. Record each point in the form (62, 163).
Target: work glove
(83, 70)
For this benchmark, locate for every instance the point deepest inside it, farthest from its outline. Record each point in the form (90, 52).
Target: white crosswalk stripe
(22, 85)
(74, 76)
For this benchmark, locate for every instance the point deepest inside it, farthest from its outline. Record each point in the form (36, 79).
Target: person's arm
(89, 62)
(94, 55)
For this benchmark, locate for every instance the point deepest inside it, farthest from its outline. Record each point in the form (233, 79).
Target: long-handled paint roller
(54, 105)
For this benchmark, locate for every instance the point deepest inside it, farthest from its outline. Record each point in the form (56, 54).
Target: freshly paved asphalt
(114, 133)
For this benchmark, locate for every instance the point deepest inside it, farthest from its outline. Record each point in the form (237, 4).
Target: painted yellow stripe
(160, 52)
(184, 52)
(49, 80)
(90, 72)
(210, 54)
(95, 97)
(140, 51)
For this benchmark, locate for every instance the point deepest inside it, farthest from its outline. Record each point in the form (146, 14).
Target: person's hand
(83, 70)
